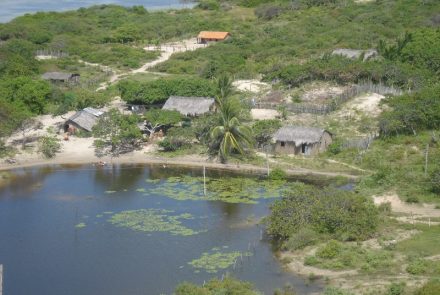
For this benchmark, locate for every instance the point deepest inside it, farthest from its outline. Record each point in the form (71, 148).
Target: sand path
(166, 51)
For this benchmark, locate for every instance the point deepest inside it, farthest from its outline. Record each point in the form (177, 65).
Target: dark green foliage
(418, 266)
(412, 112)
(421, 48)
(178, 138)
(435, 181)
(335, 147)
(302, 238)
(341, 214)
(158, 118)
(268, 11)
(264, 130)
(335, 291)
(396, 289)
(277, 174)
(158, 91)
(343, 71)
(33, 94)
(208, 5)
(49, 146)
(228, 286)
(432, 287)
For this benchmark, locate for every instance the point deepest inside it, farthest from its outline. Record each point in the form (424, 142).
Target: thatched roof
(213, 35)
(86, 118)
(299, 135)
(356, 53)
(57, 76)
(189, 106)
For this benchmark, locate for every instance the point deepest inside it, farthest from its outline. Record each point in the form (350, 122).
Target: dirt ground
(253, 86)
(264, 114)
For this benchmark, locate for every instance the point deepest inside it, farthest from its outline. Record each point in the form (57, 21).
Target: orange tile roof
(213, 35)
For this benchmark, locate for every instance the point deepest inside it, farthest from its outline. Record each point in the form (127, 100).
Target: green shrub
(49, 146)
(432, 287)
(417, 267)
(301, 239)
(344, 215)
(330, 250)
(396, 289)
(215, 286)
(158, 91)
(277, 174)
(435, 181)
(335, 291)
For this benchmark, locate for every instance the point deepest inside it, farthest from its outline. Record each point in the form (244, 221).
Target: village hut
(59, 77)
(356, 53)
(298, 140)
(208, 36)
(190, 106)
(83, 120)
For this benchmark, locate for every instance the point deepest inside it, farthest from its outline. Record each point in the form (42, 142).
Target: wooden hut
(82, 120)
(190, 106)
(208, 36)
(297, 140)
(59, 77)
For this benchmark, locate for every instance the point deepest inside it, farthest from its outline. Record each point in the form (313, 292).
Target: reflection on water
(57, 238)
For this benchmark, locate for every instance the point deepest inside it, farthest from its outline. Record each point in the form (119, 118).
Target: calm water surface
(10, 9)
(44, 253)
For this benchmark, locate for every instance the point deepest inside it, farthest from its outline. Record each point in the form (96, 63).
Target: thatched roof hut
(301, 140)
(356, 53)
(85, 119)
(60, 77)
(190, 106)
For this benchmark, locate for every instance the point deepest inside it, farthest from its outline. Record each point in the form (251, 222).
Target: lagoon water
(45, 249)
(10, 9)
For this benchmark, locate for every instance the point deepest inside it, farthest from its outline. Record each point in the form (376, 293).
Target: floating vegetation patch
(80, 225)
(153, 220)
(110, 192)
(227, 189)
(213, 261)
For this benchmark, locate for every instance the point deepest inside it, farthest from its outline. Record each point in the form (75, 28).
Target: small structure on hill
(59, 77)
(208, 36)
(190, 106)
(297, 140)
(82, 120)
(356, 53)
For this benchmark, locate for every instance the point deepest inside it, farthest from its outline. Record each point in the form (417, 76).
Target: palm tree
(230, 136)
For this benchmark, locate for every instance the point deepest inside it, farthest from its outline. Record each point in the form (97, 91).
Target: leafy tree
(116, 133)
(435, 181)
(157, 118)
(177, 138)
(49, 146)
(158, 91)
(264, 130)
(33, 94)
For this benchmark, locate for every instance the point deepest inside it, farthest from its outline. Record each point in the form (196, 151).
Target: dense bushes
(158, 91)
(227, 286)
(341, 214)
(343, 71)
(412, 112)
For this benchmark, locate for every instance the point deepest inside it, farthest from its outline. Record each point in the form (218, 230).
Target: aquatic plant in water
(216, 260)
(80, 225)
(153, 220)
(227, 189)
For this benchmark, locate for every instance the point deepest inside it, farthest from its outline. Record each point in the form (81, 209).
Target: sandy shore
(139, 157)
